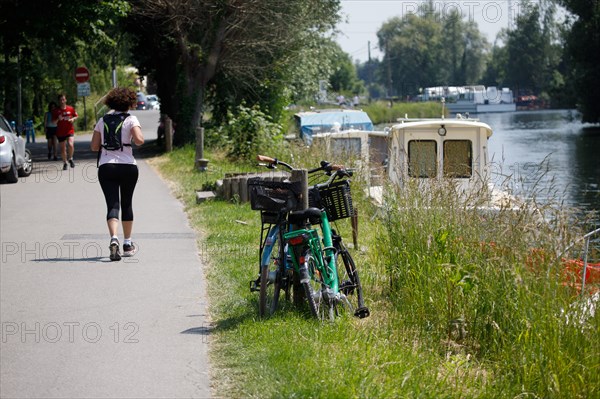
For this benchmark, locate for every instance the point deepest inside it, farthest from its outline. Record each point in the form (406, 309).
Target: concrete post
(201, 163)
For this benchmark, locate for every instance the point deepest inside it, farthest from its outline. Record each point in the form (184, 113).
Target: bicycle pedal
(363, 312)
(254, 286)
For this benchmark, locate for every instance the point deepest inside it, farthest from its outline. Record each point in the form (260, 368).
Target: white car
(15, 159)
(152, 101)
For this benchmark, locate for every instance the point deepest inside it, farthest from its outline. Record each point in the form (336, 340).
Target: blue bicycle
(295, 257)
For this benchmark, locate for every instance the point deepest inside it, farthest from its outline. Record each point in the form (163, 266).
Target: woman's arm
(136, 135)
(95, 143)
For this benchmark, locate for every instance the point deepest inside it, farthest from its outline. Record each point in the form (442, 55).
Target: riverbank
(458, 309)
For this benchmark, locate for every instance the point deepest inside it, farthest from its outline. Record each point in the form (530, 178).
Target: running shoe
(114, 250)
(129, 249)
(65, 166)
(71, 163)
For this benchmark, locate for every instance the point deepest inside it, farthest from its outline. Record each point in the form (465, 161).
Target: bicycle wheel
(271, 273)
(349, 281)
(321, 306)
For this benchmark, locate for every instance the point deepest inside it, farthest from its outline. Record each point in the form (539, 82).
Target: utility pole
(369, 49)
(389, 69)
(19, 93)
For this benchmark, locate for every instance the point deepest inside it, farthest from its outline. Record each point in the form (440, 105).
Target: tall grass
(463, 303)
(381, 111)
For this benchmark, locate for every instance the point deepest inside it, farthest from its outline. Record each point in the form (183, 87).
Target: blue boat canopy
(310, 123)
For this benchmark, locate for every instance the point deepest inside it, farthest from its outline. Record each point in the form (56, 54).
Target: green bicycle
(295, 256)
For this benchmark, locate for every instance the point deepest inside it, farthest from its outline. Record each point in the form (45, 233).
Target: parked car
(152, 102)
(142, 102)
(15, 159)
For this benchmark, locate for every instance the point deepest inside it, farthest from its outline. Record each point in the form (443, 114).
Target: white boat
(368, 148)
(473, 99)
(314, 122)
(451, 149)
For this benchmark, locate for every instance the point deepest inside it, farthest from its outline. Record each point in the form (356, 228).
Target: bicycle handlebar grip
(264, 158)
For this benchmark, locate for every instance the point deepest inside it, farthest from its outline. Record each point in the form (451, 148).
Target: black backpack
(113, 124)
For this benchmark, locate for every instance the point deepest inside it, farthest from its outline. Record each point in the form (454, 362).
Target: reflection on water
(549, 153)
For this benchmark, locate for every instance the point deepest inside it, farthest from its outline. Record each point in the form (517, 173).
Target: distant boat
(331, 120)
(473, 99)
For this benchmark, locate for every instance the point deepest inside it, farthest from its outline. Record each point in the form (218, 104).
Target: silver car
(15, 159)
(152, 102)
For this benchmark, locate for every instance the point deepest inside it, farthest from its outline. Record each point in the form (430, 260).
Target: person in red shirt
(64, 116)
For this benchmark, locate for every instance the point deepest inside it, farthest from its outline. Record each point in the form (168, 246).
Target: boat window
(422, 158)
(347, 147)
(458, 158)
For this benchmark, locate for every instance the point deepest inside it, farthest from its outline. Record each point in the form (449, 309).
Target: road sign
(83, 89)
(82, 74)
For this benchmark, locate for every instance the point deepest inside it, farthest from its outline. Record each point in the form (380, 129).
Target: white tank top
(118, 156)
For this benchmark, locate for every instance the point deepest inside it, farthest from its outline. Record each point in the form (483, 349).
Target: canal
(548, 155)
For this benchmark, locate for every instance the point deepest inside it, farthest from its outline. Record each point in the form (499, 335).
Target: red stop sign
(82, 74)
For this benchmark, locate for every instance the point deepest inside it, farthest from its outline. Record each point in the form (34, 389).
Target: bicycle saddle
(300, 217)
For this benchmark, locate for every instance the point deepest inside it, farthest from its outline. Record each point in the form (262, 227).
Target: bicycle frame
(309, 238)
(268, 245)
(310, 252)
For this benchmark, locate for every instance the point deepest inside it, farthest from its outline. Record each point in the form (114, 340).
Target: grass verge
(461, 304)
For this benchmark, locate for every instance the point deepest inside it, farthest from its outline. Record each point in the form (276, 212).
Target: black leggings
(114, 178)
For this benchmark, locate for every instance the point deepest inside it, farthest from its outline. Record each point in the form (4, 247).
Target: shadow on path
(39, 150)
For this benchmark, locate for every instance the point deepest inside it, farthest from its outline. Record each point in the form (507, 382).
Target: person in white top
(50, 128)
(118, 171)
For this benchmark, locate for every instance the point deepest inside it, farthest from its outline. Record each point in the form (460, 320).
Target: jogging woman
(118, 171)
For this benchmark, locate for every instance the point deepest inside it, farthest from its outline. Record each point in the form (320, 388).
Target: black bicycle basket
(335, 198)
(273, 196)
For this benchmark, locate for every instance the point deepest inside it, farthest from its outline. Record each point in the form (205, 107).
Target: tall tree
(195, 46)
(583, 46)
(42, 41)
(527, 69)
(431, 49)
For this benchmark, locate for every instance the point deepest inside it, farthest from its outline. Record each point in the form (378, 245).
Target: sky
(365, 17)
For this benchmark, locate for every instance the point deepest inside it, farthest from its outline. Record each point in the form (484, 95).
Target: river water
(549, 155)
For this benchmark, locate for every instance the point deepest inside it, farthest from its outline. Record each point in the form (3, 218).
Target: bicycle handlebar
(329, 168)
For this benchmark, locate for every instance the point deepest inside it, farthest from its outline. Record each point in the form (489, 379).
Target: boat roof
(407, 123)
(328, 117)
(351, 133)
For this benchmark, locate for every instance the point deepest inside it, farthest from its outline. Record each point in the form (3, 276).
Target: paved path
(74, 324)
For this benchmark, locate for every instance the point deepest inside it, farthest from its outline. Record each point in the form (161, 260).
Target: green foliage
(430, 49)
(44, 59)
(583, 47)
(247, 132)
(249, 51)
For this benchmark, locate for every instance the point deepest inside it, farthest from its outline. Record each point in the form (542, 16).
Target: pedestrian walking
(117, 167)
(50, 129)
(64, 116)
(29, 130)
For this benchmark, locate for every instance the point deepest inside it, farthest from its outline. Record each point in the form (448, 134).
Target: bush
(248, 131)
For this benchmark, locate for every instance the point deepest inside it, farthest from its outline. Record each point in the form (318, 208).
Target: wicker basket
(335, 198)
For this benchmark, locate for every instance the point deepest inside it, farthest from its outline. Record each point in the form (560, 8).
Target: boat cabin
(433, 149)
(368, 148)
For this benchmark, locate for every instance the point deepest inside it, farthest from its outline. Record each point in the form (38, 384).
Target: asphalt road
(73, 323)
